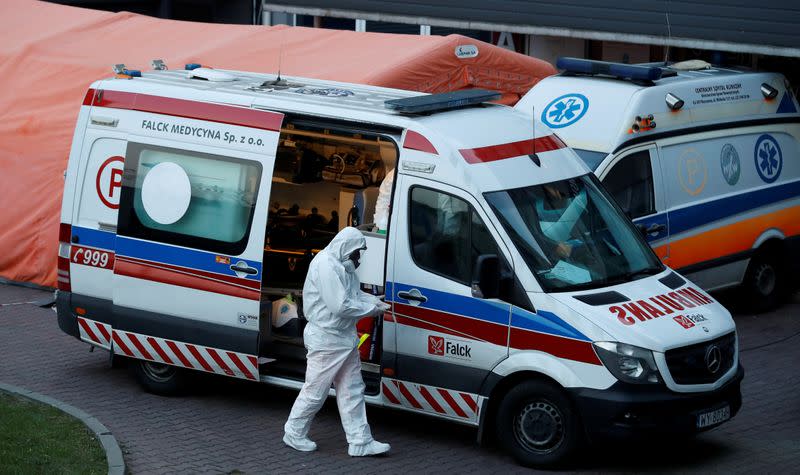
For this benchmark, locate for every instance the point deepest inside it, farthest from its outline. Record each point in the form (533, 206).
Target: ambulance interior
(325, 178)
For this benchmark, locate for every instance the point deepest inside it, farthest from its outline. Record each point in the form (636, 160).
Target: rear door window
(188, 198)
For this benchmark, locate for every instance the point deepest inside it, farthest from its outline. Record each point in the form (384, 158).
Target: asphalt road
(226, 426)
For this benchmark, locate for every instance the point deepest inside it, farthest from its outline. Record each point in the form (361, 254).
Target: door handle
(414, 295)
(652, 229)
(242, 266)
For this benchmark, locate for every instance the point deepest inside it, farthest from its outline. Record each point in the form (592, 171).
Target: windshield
(572, 236)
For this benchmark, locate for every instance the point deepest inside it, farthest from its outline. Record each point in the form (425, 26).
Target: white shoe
(365, 450)
(303, 444)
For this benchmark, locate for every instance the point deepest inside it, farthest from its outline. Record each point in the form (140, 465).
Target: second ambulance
(705, 160)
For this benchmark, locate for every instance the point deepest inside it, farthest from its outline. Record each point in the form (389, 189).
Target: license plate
(711, 418)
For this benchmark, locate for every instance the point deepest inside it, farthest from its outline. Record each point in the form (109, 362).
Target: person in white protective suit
(333, 303)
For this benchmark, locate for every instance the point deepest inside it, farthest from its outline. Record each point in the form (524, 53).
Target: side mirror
(486, 279)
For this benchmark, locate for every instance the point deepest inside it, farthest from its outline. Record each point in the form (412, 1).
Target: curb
(116, 464)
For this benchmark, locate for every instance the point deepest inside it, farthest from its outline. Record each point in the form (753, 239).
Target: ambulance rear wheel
(161, 379)
(764, 282)
(538, 425)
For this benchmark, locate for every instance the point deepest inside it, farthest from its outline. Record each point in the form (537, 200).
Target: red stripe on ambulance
(406, 394)
(452, 402)
(471, 402)
(133, 339)
(106, 334)
(179, 354)
(388, 395)
(94, 332)
(511, 150)
(495, 333)
(187, 277)
(221, 113)
(417, 141)
(154, 344)
(187, 355)
(121, 345)
(87, 329)
(239, 364)
(199, 358)
(431, 399)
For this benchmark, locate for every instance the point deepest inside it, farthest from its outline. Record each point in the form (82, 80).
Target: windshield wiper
(647, 271)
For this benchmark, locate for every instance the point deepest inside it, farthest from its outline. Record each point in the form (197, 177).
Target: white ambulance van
(706, 161)
(524, 302)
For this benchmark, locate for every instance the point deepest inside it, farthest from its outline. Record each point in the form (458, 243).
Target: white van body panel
(569, 374)
(445, 347)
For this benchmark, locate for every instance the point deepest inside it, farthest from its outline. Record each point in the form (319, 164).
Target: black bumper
(626, 410)
(67, 321)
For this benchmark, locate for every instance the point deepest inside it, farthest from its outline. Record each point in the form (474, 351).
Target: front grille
(689, 365)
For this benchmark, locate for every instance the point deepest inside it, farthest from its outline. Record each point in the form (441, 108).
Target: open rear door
(190, 240)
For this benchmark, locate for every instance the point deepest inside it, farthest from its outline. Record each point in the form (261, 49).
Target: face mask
(354, 258)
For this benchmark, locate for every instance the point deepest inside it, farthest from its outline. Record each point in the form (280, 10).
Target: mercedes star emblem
(713, 358)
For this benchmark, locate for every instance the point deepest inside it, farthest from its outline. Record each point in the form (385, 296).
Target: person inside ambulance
(559, 211)
(333, 303)
(572, 236)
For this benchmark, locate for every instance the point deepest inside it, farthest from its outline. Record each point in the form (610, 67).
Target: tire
(161, 379)
(764, 282)
(537, 423)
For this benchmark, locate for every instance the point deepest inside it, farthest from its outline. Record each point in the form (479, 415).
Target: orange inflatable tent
(49, 54)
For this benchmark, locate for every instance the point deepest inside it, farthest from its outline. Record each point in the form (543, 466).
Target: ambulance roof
(482, 148)
(599, 113)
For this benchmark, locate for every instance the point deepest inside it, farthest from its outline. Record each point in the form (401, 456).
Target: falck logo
(684, 321)
(436, 345)
(450, 347)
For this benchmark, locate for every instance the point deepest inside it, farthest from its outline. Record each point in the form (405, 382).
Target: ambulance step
(370, 367)
(292, 369)
(372, 381)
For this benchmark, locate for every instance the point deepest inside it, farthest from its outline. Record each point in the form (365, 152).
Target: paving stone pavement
(226, 426)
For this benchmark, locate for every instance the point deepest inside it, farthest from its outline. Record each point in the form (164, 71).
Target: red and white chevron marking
(96, 333)
(419, 397)
(203, 358)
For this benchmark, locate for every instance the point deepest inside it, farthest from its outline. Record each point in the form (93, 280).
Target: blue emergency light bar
(633, 72)
(440, 102)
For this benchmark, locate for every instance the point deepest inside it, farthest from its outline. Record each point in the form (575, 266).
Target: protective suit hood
(345, 242)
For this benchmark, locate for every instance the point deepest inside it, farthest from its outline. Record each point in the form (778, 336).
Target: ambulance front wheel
(161, 379)
(537, 424)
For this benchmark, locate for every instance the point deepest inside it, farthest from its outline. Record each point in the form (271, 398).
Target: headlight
(628, 363)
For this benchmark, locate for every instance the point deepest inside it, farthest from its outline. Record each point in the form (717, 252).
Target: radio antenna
(669, 33)
(280, 54)
(533, 155)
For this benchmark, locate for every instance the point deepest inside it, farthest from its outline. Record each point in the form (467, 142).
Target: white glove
(381, 307)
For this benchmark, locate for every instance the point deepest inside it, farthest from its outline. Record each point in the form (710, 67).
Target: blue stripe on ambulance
(94, 238)
(179, 256)
(690, 217)
(488, 311)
